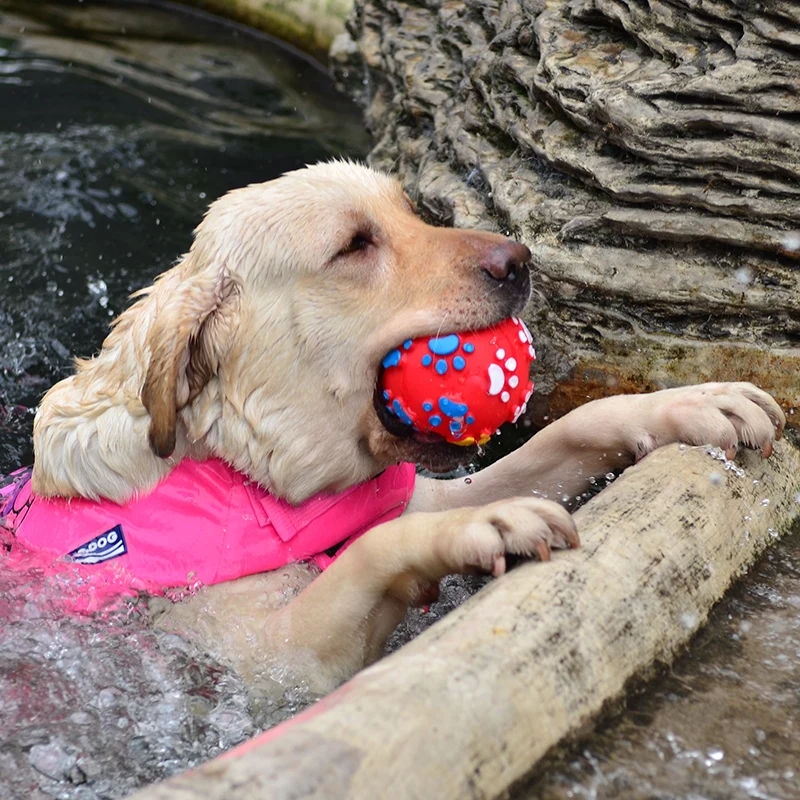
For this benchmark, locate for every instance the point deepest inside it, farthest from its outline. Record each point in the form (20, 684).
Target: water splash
(729, 466)
(97, 198)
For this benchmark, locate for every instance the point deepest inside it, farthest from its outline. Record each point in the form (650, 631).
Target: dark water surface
(118, 125)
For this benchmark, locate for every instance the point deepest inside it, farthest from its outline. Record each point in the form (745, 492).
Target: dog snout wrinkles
(503, 261)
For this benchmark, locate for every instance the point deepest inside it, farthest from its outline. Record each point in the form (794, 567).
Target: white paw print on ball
(497, 373)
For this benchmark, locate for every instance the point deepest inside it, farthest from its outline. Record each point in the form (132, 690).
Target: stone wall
(647, 152)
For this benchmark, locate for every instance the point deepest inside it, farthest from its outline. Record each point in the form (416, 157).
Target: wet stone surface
(119, 125)
(646, 152)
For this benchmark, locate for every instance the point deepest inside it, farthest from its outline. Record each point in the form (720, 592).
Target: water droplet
(467, 480)
(791, 241)
(97, 287)
(765, 501)
(689, 620)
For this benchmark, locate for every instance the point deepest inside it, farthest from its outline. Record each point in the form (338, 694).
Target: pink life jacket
(204, 523)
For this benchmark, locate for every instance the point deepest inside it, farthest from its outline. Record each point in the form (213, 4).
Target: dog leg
(561, 460)
(340, 622)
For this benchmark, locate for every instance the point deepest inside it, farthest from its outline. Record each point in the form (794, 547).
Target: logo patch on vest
(104, 547)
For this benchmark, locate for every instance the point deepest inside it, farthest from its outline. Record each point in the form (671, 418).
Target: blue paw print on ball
(451, 408)
(444, 353)
(402, 415)
(440, 348)
(444, 346)
(391, 359)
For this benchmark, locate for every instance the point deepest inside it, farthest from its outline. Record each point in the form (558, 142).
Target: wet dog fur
(262, 347)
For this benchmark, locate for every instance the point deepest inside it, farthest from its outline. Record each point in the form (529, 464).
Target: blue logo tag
(108, 545)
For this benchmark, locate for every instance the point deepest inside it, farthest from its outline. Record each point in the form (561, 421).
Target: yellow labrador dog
(262, 347)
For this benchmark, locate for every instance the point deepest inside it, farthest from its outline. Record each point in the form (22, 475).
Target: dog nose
(503, 261)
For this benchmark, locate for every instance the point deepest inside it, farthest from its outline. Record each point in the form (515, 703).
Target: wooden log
(469, 707)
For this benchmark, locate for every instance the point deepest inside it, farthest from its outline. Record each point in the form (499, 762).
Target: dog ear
(185, 341)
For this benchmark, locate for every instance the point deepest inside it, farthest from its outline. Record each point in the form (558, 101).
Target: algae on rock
(310, 25)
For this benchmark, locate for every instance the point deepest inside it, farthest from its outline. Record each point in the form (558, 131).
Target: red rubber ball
(462, 386)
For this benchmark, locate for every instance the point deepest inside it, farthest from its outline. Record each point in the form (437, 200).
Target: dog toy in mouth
(462, 386)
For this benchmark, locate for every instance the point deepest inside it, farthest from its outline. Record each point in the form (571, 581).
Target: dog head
(263, 345)
(269, 346)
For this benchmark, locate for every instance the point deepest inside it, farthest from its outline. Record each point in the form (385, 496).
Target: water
(118, 125)
(95, 710)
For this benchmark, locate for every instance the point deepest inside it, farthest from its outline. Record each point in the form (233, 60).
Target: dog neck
(91, 430)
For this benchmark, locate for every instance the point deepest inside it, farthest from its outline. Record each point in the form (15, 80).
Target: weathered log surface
(647, 151)
(468, 708)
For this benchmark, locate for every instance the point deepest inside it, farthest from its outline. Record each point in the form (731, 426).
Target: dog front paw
(520, 526)
(720, 414)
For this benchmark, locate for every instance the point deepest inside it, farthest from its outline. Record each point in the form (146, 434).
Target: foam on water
(98, 706)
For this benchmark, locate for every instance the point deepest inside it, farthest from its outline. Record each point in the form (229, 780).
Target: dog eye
(360, 241)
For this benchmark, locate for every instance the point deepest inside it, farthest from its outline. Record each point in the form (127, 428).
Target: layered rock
(648, 151)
